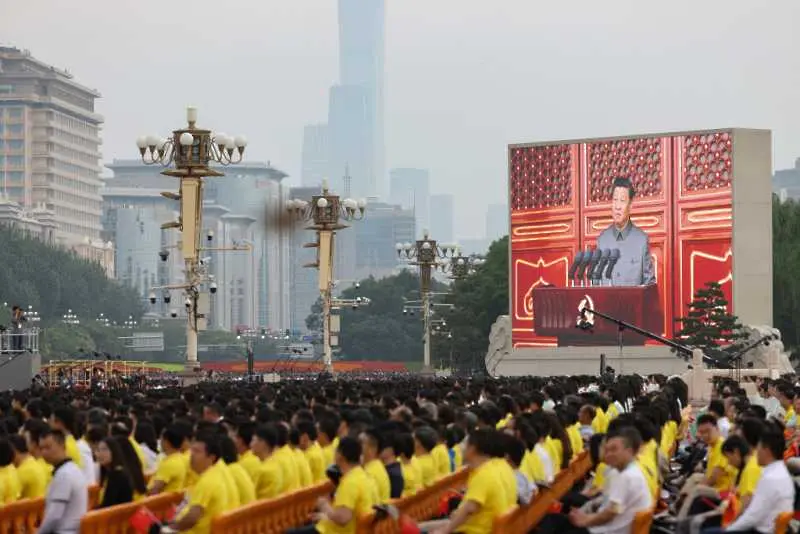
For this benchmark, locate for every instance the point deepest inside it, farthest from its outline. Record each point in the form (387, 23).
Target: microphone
(597, 275)
(574, 267)
(596, 255)
(587, 257)
(612, 261)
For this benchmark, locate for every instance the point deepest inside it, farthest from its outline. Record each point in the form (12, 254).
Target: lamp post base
(191, 374)
(428, 371)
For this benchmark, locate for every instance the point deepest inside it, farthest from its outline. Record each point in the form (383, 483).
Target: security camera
(152, 297)
(167, 297)
(210, 235)
(173, 313)
(188, 302)
(163, 254)
(213, 287)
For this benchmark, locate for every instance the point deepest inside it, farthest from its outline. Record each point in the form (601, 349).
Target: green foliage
(708, 325)
(785, 266)
(53, 280)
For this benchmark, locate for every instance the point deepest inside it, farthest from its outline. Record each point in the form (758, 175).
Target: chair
(782, 522)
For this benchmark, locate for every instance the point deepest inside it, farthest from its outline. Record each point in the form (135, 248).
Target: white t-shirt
(724, 426)
(547, 462)
(627, 491)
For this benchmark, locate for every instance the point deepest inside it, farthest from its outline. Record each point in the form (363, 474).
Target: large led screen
(632, 226)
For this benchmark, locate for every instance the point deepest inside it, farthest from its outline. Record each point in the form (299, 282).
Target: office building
(315, 157)
(786, 183)
(376, 236)
(497, 217)
(50, 145)
(349, 141)
(361, 64)
(244, 210)
(442, 218)
(410, 189)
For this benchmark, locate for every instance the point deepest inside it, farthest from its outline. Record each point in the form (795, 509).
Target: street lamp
(326, 212)
(460, 267)
(190, 151)
(70, 318)
(130, 323)
(427, 254)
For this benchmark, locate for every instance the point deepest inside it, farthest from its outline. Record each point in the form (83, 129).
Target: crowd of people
(226, 444)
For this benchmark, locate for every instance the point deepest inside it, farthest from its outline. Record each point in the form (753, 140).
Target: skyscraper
(316, 159)
(441, 215)
(349, 138)
(410, 189)
(50, 144)
(361, 57)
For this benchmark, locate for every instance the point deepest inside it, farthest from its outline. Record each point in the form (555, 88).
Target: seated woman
(116, 485)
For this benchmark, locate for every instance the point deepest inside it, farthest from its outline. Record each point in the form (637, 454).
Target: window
(6, 89)
(14, 128)
(15, 113)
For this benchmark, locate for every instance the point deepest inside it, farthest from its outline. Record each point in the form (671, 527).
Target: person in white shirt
(515, 452)
(774, 492)
(627, 491)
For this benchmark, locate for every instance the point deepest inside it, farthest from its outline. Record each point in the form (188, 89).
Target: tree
(708, 325)
(785, 266)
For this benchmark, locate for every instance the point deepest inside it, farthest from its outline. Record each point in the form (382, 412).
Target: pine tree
(708, 325)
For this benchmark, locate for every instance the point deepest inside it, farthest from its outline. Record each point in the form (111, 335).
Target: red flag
(142, 520)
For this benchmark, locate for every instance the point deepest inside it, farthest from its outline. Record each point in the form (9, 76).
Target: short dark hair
(488, 442)
(174, 436)
(404, 444)
(736, 443)
(307, 428)
(376, 437)
(427, 437)
(707, 419)
(245, 431)
(773, 440)
(515, 450)
(268, 434)
(350, 449)
(629, 435)
(751, 428)
(227, 449)
(19, 443)
(717, 407)
(625, 183)
(211, 443)
(6, 452)
(57, 435)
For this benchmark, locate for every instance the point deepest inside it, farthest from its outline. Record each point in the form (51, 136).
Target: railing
(24, 516)
(116, 519)
(524, 518)
(19, 341)
(422, 506)
(272, 516)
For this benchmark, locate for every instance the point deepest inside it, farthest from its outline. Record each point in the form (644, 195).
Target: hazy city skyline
(463, 79)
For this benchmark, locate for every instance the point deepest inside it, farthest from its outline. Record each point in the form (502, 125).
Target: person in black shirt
(115, 480)
(390, 461)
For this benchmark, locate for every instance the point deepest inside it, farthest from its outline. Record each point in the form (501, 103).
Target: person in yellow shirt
(242, 436)
(311, 449)
(208, 498)
(63, 419)
(491, 488)
(10, 488)
(300, 460)
(404, 447)
(286, 459)
(33, 431)
(245, 488)
(371, 446)
(741, 456)
(30, 473)
(170, 473)
(327, 428)
(425, 439)
(269, 478)
(355, 495)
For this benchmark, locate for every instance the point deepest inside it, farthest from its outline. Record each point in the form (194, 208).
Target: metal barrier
(18, 342)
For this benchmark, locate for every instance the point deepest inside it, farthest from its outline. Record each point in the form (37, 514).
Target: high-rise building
(410, 188)
(442, 217)
(50, 145)
(496, 221)
(361, 58)
(304, 280)
(316, 159)
(376, 236)
(349, 140)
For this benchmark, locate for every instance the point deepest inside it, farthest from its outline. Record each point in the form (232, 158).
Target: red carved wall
(560, 197)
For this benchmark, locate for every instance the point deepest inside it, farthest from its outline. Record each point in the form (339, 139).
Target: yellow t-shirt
(441, 460)
(269, 480)
(315, 457)
(47, 469)
(380, 479)
(32, 479)
(427, 470)
(303, 469)
(717, 459)
(486, 488)
(354, 493)
(789, 416)
(289, 471)
(251, 464)
(9, 485)
(171, 471)
(612, 411)
(533, 468)
(575, 439)
(230, 486)
(411, 478)
(73, 451)
(648, 462)
(669, 434)
(210, 494)
(139, 452)
(749, 479)
(458, 457)
(600, 421)
(504, 422)
(244, 484)
(328, 453)
(600, 476)
(191, 474)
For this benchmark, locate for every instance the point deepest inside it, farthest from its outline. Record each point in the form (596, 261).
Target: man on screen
(635, 266)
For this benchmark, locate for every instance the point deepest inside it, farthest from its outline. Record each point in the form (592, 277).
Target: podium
(555, 313)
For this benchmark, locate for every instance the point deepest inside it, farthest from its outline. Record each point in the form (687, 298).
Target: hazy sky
(464, 77)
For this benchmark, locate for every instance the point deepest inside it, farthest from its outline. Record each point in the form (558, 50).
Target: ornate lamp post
(426, 254)
(460, 267)
(190, 150)
(70, 318)
(326, 213)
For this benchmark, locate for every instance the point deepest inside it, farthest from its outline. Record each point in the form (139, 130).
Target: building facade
(410, 189)
(315, 157)
(376, 238)
(442, 218)
(50, 144)
(304, 280)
